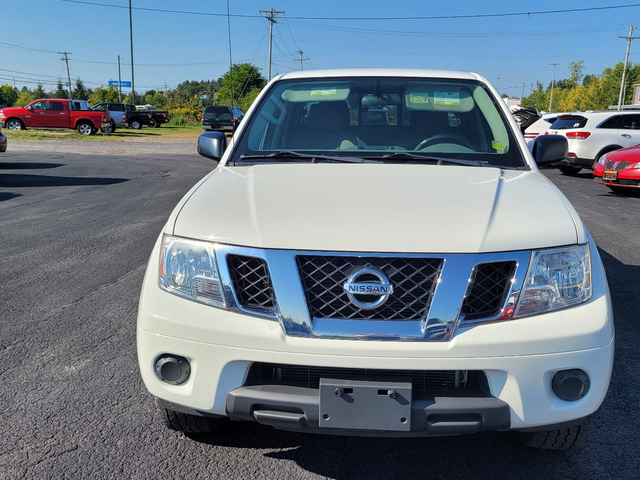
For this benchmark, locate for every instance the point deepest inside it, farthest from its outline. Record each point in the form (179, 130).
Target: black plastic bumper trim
(433, 412)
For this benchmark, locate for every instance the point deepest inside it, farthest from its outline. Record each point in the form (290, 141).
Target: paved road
(76, 230)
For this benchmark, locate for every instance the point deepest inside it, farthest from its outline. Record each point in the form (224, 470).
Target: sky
(175, 41)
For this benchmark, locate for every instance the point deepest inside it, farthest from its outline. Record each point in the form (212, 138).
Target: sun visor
(438, 98)
(321, 93)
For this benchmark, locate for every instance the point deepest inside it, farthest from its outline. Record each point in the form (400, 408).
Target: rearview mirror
(549, 149)
(212, 145)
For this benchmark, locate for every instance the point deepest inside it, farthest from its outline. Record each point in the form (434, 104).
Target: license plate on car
(364, 405)
(609, 175)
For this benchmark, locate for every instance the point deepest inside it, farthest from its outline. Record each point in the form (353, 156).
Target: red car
(619, 170)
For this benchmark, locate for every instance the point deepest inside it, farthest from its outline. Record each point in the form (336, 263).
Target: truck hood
(378, 208)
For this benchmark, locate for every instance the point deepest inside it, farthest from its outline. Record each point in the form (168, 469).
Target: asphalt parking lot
(76, 230)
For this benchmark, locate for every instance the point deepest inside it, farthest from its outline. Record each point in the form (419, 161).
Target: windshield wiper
(431, 159)
(287, 155)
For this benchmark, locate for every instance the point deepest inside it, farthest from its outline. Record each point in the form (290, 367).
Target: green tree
(60, 91)
(8, 95)
(576, 74)
(39, 92)
(157, 99)
(80, 92)
(104, 95)
(239, 81)
(24, 98)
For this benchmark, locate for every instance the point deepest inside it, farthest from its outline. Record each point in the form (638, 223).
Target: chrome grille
(616, 166)
(413, 281)
(489, 287)
(252, 283)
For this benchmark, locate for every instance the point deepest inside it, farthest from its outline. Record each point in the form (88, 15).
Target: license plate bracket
(610, 175)
(365, 405)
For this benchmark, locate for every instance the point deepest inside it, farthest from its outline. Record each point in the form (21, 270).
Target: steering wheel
(444, 138)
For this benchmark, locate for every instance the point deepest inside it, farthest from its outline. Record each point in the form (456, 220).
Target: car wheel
(153, 123)
(14, 124)
(135, 124)
(85, 128)
(110, 129)
(561, 439)
(567, 170)
(184, 422)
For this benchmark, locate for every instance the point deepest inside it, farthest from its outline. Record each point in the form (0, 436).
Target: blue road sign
(122, 84)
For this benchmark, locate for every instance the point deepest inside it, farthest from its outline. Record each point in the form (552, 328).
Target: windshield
(373, 117)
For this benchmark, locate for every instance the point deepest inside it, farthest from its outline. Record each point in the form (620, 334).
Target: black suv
(221, 117)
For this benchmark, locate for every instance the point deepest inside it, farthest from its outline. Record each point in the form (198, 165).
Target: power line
(438, 17)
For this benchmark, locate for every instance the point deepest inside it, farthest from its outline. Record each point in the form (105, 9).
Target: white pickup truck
(416, 277)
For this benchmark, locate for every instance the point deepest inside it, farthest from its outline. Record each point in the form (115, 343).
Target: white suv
(592, 134)
(416, 278)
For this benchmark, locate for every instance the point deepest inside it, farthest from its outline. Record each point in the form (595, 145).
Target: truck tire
(14, 124)
(567, 170)
(561, 439)
(153, 123)
(135, 124)
(110, 129)
(85, 128)
(183, 422)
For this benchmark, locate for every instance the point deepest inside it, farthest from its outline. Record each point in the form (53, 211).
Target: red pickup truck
(52, 113)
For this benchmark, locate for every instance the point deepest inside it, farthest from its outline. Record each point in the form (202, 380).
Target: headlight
(556, 279)
(188, 269)
(602, 159)
(637, 165)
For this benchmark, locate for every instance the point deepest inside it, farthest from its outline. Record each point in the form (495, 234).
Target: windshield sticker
(498, 146)
(323, 91)
(446, 98)
(418, 98)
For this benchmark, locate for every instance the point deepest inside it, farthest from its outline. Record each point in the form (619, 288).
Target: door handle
(626, 135)
(41, 113)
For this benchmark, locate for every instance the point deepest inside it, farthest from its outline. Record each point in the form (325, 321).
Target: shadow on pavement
(20, 180)
(8, 196)
(29, 165)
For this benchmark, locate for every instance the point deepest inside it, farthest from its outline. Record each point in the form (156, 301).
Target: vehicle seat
(423, 125)
(328, 128)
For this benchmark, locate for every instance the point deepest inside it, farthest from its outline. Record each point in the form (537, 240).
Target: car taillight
(202, 118)
(232, 120)
(579, 135)
(149, 115)
(124, 116)
(571, 154)
(530, 135)
(164, 115)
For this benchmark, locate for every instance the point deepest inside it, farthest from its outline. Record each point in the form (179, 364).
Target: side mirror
(212, 145)
(550, 149)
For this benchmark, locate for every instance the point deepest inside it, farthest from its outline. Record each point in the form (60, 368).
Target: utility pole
(553, 81)
(624, 69)
(133, 83)
(522, 96)
(119, 82)
(271, 14)
(300, 59)
(531, 88)
(66, 59)
(498, 86)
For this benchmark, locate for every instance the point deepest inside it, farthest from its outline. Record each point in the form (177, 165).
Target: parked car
(421, 278)
(53, 113)
(221, 118)
(619, 170)
(3, 142)
(132, 117)
(592, 134)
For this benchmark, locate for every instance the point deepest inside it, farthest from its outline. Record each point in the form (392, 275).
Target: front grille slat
(252, 283)
(489, 287)
(413, 280)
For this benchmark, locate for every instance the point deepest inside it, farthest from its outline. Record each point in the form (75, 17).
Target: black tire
(110, 129)
(184, 422)
(14, 124)
(561, 439)
(567, 170)
(135, 124)
(153, 123)
(85, 128)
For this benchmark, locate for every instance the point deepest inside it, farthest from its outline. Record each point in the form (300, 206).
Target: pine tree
(61, 92)
(80, 92)
(39, 92)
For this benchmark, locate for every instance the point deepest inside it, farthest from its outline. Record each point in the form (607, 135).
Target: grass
(187, 132)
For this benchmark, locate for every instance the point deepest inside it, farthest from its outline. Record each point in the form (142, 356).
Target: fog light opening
(173, 369)
(570, 385)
